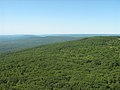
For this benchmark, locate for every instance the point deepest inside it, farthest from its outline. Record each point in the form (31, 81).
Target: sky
(59, 17)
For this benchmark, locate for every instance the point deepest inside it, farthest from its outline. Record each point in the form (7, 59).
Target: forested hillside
(88, 64)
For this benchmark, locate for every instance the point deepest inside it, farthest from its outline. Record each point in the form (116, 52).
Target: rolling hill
(10, 43)
(88, 64)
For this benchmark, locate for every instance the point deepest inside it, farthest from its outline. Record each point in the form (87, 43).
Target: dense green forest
(88, 64)
(10, 43)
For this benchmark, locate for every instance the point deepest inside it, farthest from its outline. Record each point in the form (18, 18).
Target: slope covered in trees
(88, 64)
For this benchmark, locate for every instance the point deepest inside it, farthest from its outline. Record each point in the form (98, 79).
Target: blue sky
(59, 17)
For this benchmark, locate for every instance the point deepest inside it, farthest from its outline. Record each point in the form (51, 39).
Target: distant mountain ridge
(11, 43)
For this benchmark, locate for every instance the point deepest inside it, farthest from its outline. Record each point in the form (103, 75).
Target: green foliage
(87, 64)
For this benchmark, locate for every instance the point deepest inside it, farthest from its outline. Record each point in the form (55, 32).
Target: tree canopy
(88, 64)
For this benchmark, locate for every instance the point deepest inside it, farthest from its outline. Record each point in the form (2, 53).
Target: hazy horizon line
(66, 34)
